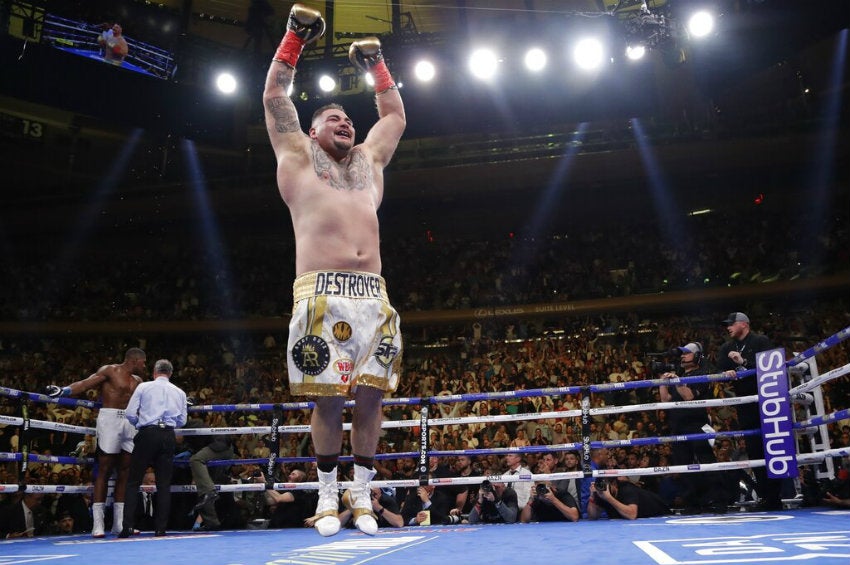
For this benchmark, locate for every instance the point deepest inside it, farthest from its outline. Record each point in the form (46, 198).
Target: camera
(600, 484)
(486, 486)
(453, 519)
(541, 489)
(658, 367)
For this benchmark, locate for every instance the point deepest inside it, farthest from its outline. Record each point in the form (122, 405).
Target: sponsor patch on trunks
(344, 368)
(311, 355)
(386, 352)
(342, 331)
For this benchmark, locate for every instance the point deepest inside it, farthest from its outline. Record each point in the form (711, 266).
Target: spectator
(25, 517)
(292, 508)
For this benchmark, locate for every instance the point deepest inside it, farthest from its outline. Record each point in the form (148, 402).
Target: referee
(156, 408)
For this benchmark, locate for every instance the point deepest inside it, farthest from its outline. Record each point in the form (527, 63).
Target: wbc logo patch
(344, 368)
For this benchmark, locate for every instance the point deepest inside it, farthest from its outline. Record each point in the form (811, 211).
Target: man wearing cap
(696, 495)
(739, 354)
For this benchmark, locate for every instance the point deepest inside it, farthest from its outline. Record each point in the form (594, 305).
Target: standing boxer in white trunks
(114, 434)
(344, 337)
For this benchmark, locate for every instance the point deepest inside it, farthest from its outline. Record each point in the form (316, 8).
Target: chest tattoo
(354, 173)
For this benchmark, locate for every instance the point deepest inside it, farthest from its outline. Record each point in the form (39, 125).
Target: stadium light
(535, 59)
(425, 71)
(226, 83)
(635, 52)
(483, 63)
(588, 53)
(700, 24)
(327, 83)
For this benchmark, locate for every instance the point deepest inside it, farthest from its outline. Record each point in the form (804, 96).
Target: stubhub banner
(777, 433)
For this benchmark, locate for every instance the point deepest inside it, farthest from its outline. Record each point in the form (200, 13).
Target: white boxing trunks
(114, 433)
(343, 333)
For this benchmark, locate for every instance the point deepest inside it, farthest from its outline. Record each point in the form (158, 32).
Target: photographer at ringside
(623, 499)
(496, 504)
(551, 501)
(384, 507)
(696, 495)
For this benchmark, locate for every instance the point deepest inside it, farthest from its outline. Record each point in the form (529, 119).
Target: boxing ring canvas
(813, 536)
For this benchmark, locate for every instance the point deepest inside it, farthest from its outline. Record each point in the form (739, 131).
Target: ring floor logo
(815, 548)
(355, 550)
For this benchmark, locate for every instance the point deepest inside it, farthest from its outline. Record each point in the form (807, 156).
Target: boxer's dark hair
(322, 109)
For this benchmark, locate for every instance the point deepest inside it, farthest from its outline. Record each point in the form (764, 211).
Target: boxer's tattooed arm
(281, 108)
(356, 175)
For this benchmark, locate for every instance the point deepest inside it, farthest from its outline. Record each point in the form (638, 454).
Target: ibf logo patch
(344, 368)
(342, 331)
(311, 355)
(386, 352)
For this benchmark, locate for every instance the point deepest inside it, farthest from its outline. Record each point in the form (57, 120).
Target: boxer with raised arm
(114, 433)
(344, 337)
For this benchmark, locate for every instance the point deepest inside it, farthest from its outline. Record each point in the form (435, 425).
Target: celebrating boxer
(344, 337)
(113, 44)
(114, 433)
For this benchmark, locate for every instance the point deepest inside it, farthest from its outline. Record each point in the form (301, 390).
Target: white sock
(97, 518)
(117, 517)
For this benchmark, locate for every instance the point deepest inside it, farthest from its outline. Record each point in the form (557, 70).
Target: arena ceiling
(449, 125)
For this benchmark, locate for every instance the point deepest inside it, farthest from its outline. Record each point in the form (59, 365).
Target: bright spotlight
(700, 24)
(635, 52)
(588, 54)
(425, 71)
(370, 80)
(226, 83)
(327, 83)
(535, 59)
(482, 64)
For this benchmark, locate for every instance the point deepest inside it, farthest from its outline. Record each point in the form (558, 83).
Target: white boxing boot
(98, 530)
(358, 499)
(117, 517)
(327, 510)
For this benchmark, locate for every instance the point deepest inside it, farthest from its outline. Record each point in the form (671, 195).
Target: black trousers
(154, 446)
(769, 490)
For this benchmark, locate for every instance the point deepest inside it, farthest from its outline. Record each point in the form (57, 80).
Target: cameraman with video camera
(697, 495)
(623, 499)
(496, 504)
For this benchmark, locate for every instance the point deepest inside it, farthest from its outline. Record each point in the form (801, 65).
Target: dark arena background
(548, 234)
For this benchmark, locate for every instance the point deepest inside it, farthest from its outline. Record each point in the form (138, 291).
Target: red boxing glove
(304, 26)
